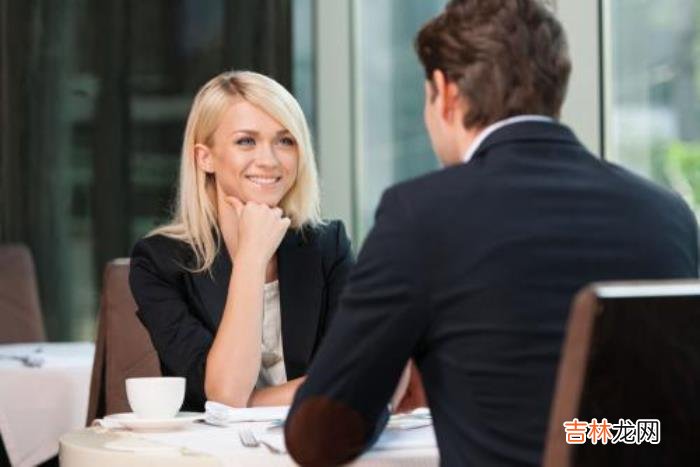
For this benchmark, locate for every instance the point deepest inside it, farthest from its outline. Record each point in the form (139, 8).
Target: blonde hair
(195, 216)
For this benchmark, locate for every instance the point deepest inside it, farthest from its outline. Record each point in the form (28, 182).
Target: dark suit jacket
(470, 271)
(182, 310)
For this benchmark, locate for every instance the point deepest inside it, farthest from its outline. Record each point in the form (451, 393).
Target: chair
(123, 348)
(632, 351)
(20, 312)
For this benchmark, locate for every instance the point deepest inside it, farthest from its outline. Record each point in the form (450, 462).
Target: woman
(238, 290)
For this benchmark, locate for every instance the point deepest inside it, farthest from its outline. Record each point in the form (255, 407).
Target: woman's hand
(250, 230)
(260, 230)
(228, 222)
(409, 393)
(276, 395)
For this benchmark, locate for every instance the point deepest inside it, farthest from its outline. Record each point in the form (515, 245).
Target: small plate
(131, 421)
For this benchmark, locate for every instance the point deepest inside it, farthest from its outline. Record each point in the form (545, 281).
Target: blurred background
(94, 95)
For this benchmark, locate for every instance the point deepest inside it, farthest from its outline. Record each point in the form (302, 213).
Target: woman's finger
(286, 222)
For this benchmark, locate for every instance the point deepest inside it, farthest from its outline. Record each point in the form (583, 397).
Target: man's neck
(464, 141)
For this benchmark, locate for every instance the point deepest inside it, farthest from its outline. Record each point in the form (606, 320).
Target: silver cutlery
(31, 361)
(249, 440)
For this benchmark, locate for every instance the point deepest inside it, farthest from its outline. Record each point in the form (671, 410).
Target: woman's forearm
(233, 362)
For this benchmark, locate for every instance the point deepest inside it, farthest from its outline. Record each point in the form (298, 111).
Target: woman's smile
(265, 181)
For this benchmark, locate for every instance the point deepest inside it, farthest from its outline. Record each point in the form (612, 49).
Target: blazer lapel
(301, 287)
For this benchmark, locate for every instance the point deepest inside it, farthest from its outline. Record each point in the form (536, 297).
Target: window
(393, 143)
(99, 93)
(651, 87)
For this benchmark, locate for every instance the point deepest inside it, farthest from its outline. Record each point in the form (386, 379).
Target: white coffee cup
(157, 397)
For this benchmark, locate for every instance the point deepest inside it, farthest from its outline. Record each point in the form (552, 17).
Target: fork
(249, 440)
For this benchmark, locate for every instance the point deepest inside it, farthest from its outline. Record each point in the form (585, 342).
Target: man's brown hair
(507, 57)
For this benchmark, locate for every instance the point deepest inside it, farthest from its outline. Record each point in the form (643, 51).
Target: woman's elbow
(226, 394)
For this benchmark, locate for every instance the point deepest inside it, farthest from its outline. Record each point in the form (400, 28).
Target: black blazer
(470, 270)
(182, 310)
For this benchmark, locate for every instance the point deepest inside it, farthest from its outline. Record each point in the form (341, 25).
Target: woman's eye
(245, 141)
(287, 141)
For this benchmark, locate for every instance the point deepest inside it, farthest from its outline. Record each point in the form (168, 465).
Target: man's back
(470, 271)
(506, 240)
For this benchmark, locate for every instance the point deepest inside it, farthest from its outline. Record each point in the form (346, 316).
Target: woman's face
(252, 156)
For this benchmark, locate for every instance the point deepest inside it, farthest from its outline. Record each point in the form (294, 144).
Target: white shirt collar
(497, 126)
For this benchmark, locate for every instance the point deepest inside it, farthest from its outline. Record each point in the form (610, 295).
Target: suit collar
(527, 131)
(486, 132)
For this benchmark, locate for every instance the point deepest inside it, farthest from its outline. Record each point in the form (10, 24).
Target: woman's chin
(271, 201)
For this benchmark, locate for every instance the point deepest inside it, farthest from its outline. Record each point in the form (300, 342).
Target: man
(470, 270)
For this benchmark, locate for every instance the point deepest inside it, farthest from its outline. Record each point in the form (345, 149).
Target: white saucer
(133, 422)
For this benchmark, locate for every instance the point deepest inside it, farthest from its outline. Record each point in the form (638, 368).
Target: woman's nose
(266, 156)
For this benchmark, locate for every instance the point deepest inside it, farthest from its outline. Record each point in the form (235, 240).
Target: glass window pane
(652, 54)
(99, 98)
(303, 58)
(393, 143)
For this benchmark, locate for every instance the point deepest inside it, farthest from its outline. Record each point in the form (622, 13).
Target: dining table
(404, 442)
(44, 389)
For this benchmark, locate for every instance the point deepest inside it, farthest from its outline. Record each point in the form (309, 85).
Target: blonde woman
(238, 290)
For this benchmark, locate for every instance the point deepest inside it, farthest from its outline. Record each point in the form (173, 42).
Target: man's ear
(204, 158)
(430, 90)
(447, 96)
(453, 102)
(438, 83)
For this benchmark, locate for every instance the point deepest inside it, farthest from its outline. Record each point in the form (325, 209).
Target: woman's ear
(204, 158)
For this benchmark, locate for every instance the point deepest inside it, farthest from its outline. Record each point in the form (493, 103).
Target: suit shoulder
(158, 245)
(436, 181)
(163, 253)
(651, 192)
(427, 190)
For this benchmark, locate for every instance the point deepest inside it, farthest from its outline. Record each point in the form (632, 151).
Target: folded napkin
(224, 415)
(106, 424)
(415, 437)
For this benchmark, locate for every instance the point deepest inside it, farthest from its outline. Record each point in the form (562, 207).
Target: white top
(272, 371)
(497, 126)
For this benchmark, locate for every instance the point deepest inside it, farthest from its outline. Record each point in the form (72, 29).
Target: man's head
(487, 60)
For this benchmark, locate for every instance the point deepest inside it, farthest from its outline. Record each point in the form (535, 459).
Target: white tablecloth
(38, 405)
(205, 445)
